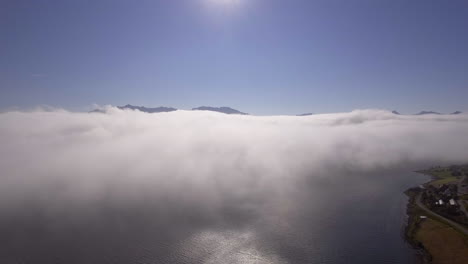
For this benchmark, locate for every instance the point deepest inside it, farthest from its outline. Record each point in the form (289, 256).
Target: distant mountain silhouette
(97, 111)
(160, 109)
(223, 109)
(305, 114)
(428, 113)
(146, 109)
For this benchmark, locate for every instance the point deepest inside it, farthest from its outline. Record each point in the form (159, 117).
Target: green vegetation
(413, 212)
(440, 173)
(446, 172)
(445, 175)
(440, 182)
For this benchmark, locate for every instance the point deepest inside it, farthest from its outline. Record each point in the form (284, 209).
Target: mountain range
(428, 113)
(229, 110)
(223, 109)
(162, 109)
(148, 110)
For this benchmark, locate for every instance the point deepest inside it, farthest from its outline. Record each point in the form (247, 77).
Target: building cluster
(443, 200)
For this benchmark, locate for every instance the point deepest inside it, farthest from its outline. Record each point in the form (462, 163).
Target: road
(461, 228)
(461, 191)
(462, 182)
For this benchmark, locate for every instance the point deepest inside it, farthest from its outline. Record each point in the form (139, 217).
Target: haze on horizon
(265, 57)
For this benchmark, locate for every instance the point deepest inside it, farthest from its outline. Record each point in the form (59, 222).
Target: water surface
(350, 217)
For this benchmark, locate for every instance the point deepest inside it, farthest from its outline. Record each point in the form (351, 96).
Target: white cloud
(202, 165)
(205, 153)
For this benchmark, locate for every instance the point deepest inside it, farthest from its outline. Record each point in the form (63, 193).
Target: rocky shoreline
(412, 225)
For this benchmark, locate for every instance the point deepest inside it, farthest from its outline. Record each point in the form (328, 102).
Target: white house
(452, 202)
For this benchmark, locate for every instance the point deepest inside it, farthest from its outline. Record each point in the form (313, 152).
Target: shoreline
(419, 219)
(411, 228)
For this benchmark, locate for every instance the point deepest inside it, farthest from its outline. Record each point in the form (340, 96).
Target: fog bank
(204, 155)
(186, 170)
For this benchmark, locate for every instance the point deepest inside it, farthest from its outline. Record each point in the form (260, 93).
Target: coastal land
(438, 216)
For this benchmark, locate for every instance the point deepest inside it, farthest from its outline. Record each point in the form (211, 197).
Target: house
(441, 202)
(452, 202)
(423, 217)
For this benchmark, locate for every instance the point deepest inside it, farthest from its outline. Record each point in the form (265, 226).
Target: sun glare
(225, 2)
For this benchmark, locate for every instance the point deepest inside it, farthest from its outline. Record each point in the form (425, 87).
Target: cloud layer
(206, 154)
(204, 164)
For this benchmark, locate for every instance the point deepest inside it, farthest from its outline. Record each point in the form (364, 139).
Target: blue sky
(258, 56)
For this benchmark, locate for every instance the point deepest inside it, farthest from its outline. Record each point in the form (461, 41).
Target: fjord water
(351, 217)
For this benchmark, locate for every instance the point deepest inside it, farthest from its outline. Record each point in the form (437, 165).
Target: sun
(225, 2)
(221, 8)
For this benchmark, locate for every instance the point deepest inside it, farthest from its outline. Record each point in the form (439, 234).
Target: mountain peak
(428, 113)
(147, 109)
(305, 114)
(223, 109)
(139, 108)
